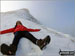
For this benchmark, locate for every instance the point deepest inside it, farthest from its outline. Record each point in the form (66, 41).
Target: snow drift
(26, 47)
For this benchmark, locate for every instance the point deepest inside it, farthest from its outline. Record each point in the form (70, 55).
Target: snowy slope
(26, 47)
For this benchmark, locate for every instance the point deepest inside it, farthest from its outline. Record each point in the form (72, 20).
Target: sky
(58, 15)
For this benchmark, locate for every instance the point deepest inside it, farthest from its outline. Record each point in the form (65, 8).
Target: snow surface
(26, 47)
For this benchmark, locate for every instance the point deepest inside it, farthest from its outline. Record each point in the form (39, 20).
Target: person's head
(18, 23)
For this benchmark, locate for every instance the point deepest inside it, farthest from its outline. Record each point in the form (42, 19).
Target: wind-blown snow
(26, 47)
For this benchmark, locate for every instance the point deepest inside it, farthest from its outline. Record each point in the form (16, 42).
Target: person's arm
(33, 30)
(7, 31)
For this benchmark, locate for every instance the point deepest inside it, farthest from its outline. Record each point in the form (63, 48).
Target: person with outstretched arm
(19, 32)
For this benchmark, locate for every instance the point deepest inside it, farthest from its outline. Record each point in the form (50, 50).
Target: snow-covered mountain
(26, 47)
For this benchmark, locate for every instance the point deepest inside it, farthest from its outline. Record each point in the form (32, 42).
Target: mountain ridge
(26, 47)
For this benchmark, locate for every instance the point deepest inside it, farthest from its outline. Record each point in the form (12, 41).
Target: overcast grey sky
(58, 15)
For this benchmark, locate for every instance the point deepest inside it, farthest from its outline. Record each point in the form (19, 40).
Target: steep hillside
(26, 47)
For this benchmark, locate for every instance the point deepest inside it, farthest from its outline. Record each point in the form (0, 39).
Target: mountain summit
(26, 47)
